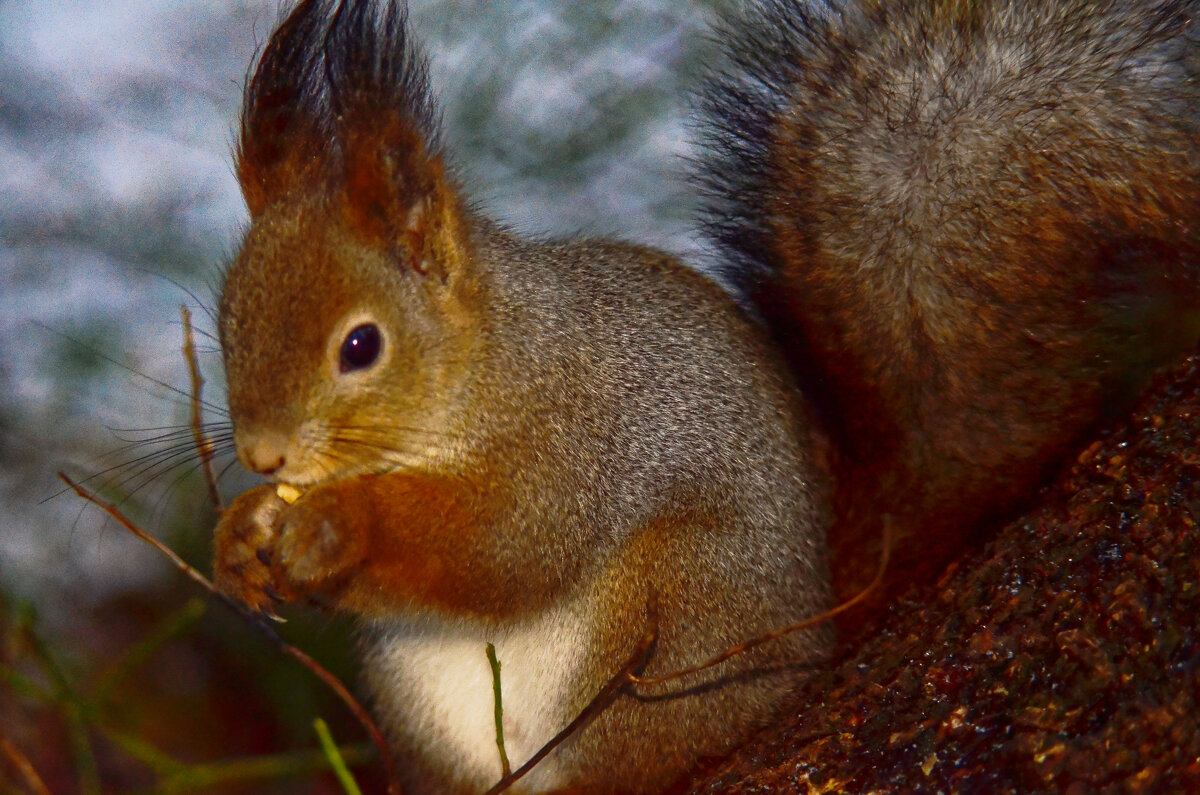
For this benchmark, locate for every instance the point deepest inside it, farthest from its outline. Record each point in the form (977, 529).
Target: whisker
(153, 459)
(192, 462)
(177, 435)
(177, 447)
(225, 469)
(181, 477)
(179, 427)
(199, 332)
(157, 464)
(131, 475)
(131, 443)
(213, 407)
(206, 307)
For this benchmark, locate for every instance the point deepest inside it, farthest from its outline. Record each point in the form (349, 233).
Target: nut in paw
(244, 540)
(314, 544)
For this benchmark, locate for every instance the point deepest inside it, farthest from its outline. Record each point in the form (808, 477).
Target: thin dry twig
(204, 447)
(331, 681)
(820, 618)
(23, 766)
(627, 676)
(620, 680)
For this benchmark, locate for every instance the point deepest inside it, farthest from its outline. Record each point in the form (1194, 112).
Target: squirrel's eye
(361, 347)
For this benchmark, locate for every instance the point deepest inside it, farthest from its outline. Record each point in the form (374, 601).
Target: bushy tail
(975, 227)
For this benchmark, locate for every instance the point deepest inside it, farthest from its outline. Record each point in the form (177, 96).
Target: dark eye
(361, 347)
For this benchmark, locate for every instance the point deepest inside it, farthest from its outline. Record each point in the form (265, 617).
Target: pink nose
(264, 453)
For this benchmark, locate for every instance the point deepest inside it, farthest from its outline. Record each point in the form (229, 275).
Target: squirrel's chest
(434, 686)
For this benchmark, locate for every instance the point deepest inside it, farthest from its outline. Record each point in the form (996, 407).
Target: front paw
(245, 536)
(316, 544)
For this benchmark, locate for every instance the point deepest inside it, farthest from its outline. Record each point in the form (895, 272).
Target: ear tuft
(339, 108)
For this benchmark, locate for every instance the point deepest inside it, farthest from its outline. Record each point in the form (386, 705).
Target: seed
(287, 492)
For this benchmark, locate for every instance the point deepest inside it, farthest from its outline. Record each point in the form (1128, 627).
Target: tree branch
(331, 681)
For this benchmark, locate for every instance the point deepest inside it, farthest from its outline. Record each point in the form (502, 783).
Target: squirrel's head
(348, 317)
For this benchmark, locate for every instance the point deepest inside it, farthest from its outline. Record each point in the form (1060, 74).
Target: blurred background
(117, 122)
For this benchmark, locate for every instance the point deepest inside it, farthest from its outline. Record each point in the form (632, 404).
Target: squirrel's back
(551, 447)
(975, 227)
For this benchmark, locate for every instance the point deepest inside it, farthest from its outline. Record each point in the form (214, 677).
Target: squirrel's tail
(974, 225)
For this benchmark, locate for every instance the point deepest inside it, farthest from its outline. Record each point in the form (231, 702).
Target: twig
(209, 777)
(497, 698)
(331, 681)
(204, 447)
(827, 615)
(176, 561)
(23, 766)
(334, 755)
(641, 655)
(620, 680)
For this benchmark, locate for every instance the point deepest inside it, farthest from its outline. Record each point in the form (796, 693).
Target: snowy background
(116, 126)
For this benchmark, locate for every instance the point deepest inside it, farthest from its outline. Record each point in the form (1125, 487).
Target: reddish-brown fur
(972, 226)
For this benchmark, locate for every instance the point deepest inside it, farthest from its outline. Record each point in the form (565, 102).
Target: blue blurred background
(117, 122)
(116, 127)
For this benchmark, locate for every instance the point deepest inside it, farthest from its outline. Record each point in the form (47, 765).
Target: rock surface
(1061, 657)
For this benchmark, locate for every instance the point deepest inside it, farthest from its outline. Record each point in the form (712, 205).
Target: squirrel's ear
(339, 110)
(286, 125)
(398, 195)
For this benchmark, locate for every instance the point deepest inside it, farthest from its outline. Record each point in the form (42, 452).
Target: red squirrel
(965, 231)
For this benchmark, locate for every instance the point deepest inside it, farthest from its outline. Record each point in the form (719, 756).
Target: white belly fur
(437, 676)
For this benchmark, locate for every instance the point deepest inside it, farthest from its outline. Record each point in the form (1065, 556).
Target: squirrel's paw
(313, 546)
(245, 537)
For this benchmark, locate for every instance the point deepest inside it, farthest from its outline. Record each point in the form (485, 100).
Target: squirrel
(962, 233)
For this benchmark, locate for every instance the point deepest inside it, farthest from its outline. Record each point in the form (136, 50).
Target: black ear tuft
(337, 75)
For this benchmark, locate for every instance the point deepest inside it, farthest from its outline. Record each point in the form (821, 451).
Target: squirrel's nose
(264, 453)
